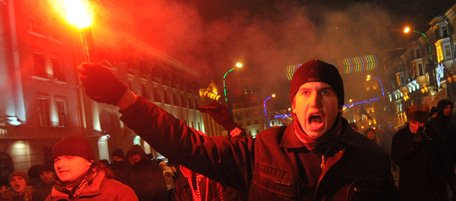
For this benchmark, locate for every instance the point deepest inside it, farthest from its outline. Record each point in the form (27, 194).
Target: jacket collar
(289, 139)
(93, 189)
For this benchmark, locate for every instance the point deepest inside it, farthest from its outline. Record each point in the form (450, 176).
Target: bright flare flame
(75, 11)
(407, 29)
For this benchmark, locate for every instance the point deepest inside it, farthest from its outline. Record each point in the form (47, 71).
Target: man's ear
(293, 106)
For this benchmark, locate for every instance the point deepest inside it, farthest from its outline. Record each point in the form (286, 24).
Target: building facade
(43, 99)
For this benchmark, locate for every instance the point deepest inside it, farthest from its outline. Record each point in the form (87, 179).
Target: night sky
(266, 35)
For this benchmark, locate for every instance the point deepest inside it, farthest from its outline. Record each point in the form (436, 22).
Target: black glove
(220, 113)
(101, 84)
(421, 136)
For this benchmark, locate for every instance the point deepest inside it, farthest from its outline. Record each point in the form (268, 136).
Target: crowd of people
(319, 156)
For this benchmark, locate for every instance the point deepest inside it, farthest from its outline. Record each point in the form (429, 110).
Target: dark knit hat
(118, 153)
(46, 167)
(73, 146)
(318, 71)
(368, 130)
(19, 173)
(418, 113)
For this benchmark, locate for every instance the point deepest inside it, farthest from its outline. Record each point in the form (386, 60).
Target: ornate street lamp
(238, 65)
(431, 60)
(265, 112)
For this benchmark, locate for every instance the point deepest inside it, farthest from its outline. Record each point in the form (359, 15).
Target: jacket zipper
(276, 181)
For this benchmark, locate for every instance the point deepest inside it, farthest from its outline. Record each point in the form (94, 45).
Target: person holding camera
(424, 168)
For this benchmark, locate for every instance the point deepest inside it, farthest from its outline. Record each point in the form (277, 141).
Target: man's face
(134, 158)
(117, 158)
(370, 135)
(18, 183)
(316, 108)
(70, 168)
(414, 125)
(47, 176)
(447, 111)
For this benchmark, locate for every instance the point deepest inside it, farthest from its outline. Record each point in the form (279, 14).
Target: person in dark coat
(316, 157)
(443, 127)
(42, 189)
(145, 176)
(424, 168)
(372, 136)
(118, 165)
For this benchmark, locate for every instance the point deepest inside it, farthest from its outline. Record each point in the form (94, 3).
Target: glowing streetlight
(77, 13)
(264, 106)
(368, 78)
(238, 65)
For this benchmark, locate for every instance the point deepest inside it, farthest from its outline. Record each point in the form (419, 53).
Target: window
(39, 65)
(417, 53)
(420, 70)
(168, 97)
(144, 92)
(445, 32)
(61, 113)
(248, 123)
(35, 25)
(57, 69)
(447, 52)
(184, 100)
(156, 95)
(43, 110)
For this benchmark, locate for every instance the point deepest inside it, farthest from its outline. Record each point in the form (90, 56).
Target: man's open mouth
(315, 119)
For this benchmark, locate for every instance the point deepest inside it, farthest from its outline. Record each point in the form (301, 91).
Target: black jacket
(424, 167)
(146, 177)
(266, 166)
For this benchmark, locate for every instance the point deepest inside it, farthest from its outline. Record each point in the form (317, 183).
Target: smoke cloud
(266, 39)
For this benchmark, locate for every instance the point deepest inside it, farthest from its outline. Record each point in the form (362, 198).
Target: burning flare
(75, 11)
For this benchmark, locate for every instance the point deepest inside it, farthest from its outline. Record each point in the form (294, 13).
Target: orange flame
(77, 12)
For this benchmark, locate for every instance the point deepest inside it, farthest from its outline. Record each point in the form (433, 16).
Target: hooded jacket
(269, 167)
(443, 129)
(146, 177)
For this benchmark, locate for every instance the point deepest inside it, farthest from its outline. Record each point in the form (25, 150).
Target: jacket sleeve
(226, 160)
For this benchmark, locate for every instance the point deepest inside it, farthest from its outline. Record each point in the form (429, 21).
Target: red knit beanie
(318, 71)
(73, 146)
(21, 174)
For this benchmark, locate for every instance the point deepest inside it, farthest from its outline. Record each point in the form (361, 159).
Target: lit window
(43, 110)
(39, 65)
(61, 113)
(57, 69)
